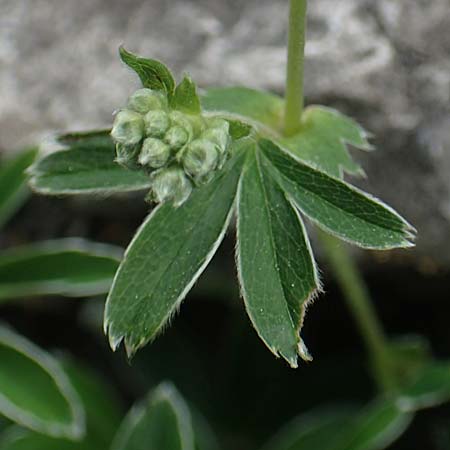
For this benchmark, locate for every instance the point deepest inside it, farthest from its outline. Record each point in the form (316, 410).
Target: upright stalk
(296, 55)
(358, 299)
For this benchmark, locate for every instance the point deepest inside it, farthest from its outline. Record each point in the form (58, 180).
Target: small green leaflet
(153, 74)
(13, 189)
(338, 207)
(185, 97)
(69, 267)
(277, 272)
(163, 422)
(323, 138)
(85, 166)
(34, 390)
(165, 258)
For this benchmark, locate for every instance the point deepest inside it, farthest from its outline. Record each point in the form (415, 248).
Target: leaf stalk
(295, 66)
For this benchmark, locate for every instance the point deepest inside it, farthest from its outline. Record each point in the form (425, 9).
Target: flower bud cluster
(178, 150)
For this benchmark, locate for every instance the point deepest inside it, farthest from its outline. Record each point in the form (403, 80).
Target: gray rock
(385, 62)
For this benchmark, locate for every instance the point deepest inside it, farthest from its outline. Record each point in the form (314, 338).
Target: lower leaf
(276, 268)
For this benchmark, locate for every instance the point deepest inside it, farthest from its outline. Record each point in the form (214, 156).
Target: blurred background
(386, 63)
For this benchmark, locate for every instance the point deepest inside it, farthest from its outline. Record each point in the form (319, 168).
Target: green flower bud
(218, 131)
(128, 128)
(170, 184)
(126, 155)
(200, 159)
(145, 100)
(156, 123)
(176, 137)
(184, 121)
(155, 153)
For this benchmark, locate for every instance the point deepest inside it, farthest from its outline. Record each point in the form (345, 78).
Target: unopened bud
(184, 121)
(128, 128)
(154, 153)
(170, 184)
(145, 100)
(200, 159)
(176, 137)
(218, 131)
(156, 123)
(126, 155)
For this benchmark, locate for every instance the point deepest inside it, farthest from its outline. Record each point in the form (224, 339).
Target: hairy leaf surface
(34, 390)
(69, 267)
(163, 421)
(276, 268)
(185, 97)
(153, 74)
(337, 207)
(86, 166)
(165, 258)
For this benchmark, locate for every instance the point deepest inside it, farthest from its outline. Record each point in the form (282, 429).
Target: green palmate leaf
(276, 269)
(70, 267)
(185, 98)
(430, 387)
(153, 74)
(86, 166)
(13, 189)
(323, 138)
(165, 258)
(338, 207)
(255, 105)
(34, 390)
(163, 421)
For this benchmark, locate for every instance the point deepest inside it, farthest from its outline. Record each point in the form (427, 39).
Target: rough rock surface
(385, 62)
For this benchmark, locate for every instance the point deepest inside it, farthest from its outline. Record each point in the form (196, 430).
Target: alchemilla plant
(206, 159)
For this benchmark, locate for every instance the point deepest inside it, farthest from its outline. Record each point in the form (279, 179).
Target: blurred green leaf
(185, 98)
(34, 390)
(69, 267)
(255, 105)
(165, 258)
(337, 207)
(16, 438)
(430, 387)
(102, 418)
(85, 166)
(13, 189)
(312, 431)
(153, 74)
(374, 427)
(162, 422)
(277, 272)
(103, 414)
(323, 138)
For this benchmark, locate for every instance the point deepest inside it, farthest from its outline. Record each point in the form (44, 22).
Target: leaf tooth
(114, 339)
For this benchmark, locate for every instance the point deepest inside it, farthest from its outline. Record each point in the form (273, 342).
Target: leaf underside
(276, 268)
(167, 255)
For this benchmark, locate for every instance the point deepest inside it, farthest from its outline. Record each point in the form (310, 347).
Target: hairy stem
(294, 77)
(358, 300)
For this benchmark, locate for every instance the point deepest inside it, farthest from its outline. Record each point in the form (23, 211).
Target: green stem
(296, 55)
(358, 300)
